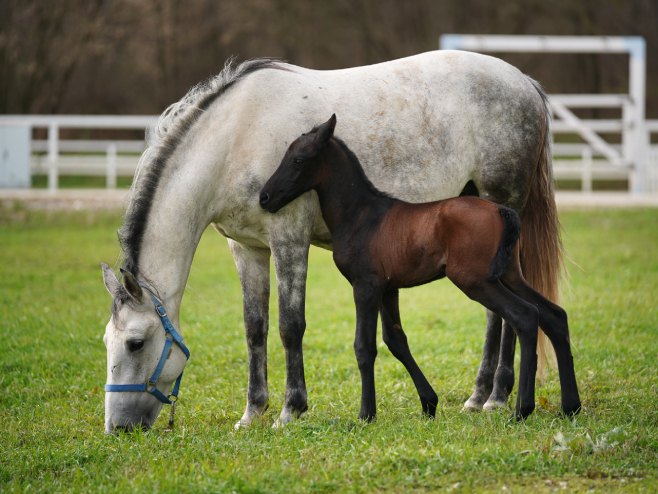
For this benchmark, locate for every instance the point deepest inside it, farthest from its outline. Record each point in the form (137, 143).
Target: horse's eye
(135, 345)
(298, 161)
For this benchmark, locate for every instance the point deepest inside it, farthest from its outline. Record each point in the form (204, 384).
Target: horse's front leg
(367, 300)
(291, 264)
(254, 269)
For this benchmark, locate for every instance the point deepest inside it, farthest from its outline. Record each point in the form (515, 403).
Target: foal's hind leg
(523, 317)
(254, 270)
(396, 341)
(553, 320)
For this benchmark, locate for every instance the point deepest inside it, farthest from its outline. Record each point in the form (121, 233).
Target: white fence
(87, 157)
(585, 162)
(633, 158)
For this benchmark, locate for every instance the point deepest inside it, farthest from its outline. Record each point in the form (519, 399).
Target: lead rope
(171, 414)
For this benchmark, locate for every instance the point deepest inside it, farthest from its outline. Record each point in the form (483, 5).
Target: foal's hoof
(429, 407)
(367, 417)
(572, 410)
(523, 413)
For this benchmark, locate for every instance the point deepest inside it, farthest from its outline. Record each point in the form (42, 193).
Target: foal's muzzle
(266, 202)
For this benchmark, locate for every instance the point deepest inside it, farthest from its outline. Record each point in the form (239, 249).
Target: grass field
(53, 309)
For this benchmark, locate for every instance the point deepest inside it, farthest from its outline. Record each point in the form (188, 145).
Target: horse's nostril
(264, 198)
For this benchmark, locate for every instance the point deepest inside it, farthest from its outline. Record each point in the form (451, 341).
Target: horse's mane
(356, 164)
(171, 128)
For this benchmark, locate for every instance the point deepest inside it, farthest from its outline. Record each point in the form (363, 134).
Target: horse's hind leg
(291, 263)
(396, 341)
(254, 270)
(485, 377)
(495, 378)
(503, 381)
(553, 320)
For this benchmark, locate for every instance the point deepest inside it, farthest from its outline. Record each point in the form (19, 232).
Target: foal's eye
(298, 161)
(135, 345)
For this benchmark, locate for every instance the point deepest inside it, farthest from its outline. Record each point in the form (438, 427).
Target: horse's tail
(511, 232)
(541, 245)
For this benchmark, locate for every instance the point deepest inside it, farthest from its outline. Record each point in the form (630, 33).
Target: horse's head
(137, 346)
(299, 168)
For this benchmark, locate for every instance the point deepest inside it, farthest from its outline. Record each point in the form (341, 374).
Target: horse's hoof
(472, 405)
(284, 419)
(491, 405)
(241, 424)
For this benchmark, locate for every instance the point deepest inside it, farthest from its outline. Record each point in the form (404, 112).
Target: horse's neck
(345, 194)
(175, 224)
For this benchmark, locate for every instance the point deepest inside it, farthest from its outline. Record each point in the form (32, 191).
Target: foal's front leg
(367, 300)
(396, 341)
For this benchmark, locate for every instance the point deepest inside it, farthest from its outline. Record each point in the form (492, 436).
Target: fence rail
(118, 157)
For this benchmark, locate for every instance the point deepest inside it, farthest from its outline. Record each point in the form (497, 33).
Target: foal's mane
(173, 125)
(356, 164)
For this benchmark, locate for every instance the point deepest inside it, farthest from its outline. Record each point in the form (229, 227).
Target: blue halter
(150, 386)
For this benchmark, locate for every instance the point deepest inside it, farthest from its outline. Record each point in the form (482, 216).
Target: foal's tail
(511, 232)
(541, 245)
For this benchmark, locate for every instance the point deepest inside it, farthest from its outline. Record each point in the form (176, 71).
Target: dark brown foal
(381, 244)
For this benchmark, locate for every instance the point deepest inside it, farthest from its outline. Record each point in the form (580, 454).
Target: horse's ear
(111, 281)
(132, 286)
(325, 131)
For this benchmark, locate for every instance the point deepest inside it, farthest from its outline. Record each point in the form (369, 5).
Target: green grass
(79, 182)
(53, 309)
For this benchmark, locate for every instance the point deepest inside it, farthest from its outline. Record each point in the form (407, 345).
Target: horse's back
(422, 126)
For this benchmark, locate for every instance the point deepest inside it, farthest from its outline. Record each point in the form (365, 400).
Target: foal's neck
(347, 198)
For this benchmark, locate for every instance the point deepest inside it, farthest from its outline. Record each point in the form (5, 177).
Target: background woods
(137, 56)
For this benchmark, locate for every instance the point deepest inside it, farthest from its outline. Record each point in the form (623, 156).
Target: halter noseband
(171, 336)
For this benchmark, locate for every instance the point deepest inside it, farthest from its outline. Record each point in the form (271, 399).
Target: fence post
(586, 178)
(636, 82)
(53, 156)
(111, 166)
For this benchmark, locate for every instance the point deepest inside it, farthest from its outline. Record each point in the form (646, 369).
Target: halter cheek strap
(171, 336)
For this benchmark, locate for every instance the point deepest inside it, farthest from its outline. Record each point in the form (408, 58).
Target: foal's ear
(132, 286)
(325, 131)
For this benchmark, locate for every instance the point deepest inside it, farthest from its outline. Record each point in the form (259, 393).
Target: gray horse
(440, 124)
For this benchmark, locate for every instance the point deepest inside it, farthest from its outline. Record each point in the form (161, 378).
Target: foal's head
(300, 168)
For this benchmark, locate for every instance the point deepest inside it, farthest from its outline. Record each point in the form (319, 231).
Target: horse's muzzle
(126, 427)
